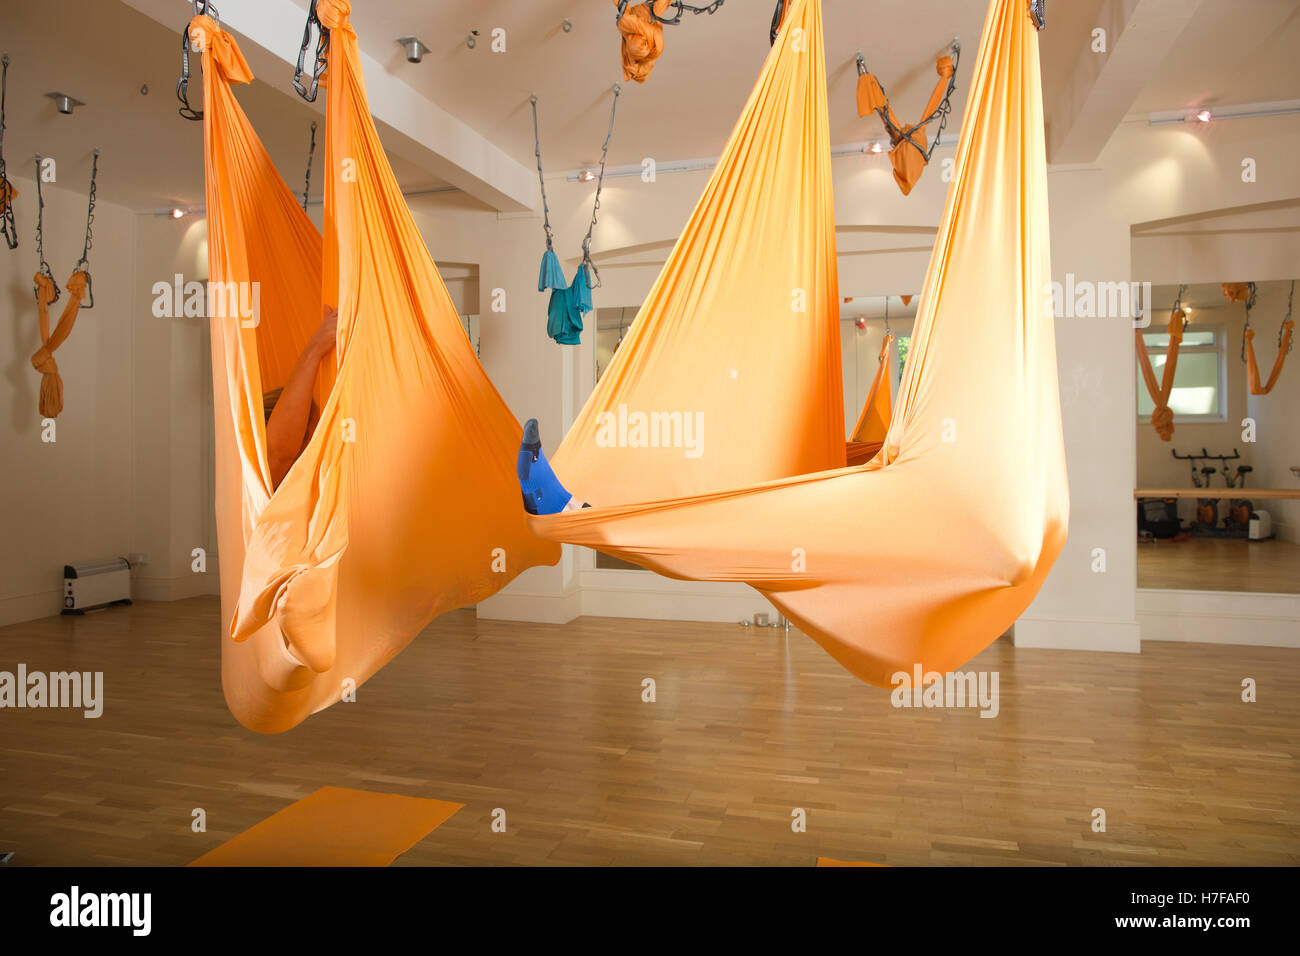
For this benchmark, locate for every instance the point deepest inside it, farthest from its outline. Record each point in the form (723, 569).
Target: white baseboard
(1219, 617)
(608, 593)
(1078, 634)
(174, 589)
(511, 605)
(30, 607)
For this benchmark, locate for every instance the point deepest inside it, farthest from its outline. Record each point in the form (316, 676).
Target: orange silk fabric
(404, 503)
(931, 550)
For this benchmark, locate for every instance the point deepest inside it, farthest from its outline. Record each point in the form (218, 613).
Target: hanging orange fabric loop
(877, 412)
(1162, 418)
(51, 401)
(1285, 337)
(911, 151)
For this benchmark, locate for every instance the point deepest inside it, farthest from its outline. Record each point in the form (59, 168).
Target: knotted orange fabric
(873, 423)
(928, 552)
(909, 143)
(404, 502)
(7, 193)
(643, 39)
(51, 400)
(1236, 291)
(1162, 418)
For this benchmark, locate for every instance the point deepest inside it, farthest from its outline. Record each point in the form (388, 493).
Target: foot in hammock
(543, 493)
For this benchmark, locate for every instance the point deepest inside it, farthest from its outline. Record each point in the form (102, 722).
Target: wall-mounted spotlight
(1204, 116)
(414, 48)
(586, 176)
(178, 213)
(860, 322)
(65, 103)
(877, 148)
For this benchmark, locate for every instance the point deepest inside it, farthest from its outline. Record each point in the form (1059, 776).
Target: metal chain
(1290, 302)
(600, 182)
(1038, 11)
(84, 262)
(672, 19)
(201, 8)
(7, 227)
(941, 112)
(537, 151)
(40, 243)
(1250, 304)
(311, 151)
(308, 92)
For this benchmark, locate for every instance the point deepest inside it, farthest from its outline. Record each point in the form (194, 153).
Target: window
(1198, 392)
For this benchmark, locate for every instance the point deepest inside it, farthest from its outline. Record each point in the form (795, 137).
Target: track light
(65, 103)
(415, 48)
(178, 213)
(877, 148)
(860, 322)
(587, 176)
(1204, 116)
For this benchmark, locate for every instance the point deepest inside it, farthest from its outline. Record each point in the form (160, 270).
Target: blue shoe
(542, 491)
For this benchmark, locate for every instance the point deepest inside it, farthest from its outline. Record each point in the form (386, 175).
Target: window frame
(1220, 346)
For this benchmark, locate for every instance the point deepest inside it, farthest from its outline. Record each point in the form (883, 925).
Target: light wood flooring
(1220, 564)
(547, 722)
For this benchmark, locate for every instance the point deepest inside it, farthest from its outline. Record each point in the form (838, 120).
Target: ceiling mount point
(414, 47)
(65, 103)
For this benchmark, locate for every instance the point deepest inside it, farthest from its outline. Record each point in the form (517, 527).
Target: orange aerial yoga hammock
(1162, 417)
(910, 153)
(405, 501)
(1245, 292)
(873, 423)
(931, 550)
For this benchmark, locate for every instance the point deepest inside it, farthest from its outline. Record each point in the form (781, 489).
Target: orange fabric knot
(643, 39)
(1250, 335)
(44, 288)
(77, 283)
(334, 14)
(7, 193)
(1236, 291)
(944, 67)
(44, 362)
(1163, 421)
(209, 39)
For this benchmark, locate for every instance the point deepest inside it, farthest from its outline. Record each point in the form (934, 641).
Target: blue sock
(543, 493)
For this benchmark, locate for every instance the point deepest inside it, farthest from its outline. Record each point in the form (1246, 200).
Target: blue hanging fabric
(551, 275)
(568, 302)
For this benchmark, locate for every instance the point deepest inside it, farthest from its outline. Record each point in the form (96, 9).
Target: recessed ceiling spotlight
(587, 176)
(1204, 116)
(415, 48)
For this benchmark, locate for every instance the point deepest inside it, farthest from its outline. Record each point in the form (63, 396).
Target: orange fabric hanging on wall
(930, 551)
(51, 400)
(404, 503)
(1162, 418)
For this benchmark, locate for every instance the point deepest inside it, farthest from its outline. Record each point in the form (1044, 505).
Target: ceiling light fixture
(178, 213)
(414, 47)
(1221, 112)
(877, 148)
(587, 176)
(1204, 116)
(65, 103)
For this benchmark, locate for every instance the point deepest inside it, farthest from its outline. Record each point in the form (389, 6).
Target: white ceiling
(1233, 51)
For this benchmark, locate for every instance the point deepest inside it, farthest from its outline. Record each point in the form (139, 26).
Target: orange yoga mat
(335, 826)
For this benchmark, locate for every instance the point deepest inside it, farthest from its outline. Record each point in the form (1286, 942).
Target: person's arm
(288, 424)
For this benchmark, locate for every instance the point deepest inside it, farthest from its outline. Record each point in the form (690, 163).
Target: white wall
(66, 501)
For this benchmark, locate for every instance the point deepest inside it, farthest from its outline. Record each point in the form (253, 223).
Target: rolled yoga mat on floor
(335, 826)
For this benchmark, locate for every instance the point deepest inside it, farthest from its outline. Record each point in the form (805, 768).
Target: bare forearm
(288, 424)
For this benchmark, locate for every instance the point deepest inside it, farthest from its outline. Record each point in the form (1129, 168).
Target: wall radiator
(96, 584)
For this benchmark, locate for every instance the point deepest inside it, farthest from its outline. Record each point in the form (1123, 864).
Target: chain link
(672, 19)
(600, 182)
(7, 226)
(311, 151)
